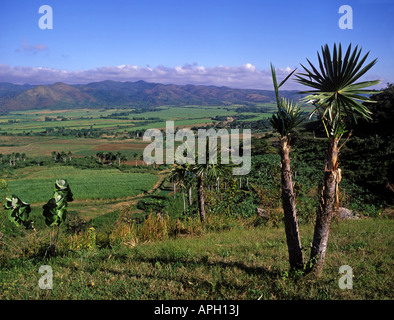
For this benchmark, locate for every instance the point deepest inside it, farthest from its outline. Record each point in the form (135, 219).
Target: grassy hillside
(243, 262)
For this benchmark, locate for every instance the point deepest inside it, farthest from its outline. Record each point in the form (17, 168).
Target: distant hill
(125, 94)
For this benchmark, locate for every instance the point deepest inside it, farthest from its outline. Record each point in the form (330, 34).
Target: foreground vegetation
(226, 259)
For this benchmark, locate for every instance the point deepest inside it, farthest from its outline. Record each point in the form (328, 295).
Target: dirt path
(133, 200)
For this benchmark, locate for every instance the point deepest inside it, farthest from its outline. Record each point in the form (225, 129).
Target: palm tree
(12, 159)
(63, 155)
(135, 155)
(118, 156)
(123, 158)
(100, 155)
(110, 157)
(207, 172)
(178, 175)
(288, 116)
(337, 97)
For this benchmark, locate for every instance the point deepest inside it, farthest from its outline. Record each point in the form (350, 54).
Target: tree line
(13, 158)
(109, 157)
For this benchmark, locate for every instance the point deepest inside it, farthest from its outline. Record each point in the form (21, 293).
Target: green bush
(152, 203)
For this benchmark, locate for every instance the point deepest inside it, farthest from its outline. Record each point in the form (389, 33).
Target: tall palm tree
(288, 116)
(337, 97)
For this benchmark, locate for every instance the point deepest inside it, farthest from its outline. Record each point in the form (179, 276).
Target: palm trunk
(201, 200)
(184, 203)
(289, 208)
(326, 208)
(190, 197)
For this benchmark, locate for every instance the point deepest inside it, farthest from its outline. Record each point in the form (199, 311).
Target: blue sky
(220, 42)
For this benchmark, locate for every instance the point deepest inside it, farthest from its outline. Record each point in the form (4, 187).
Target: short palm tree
(337, 98)
(288, 116)
(207, 172)
(178, 175)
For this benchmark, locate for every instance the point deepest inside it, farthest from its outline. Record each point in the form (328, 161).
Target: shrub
(82, 240)
(125, 232)
(152, 203)
(155, 227)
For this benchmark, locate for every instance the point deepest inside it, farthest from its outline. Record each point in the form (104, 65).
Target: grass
(244, 262)
(36, 186)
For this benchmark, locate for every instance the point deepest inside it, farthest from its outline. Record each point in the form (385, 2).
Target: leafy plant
(18, 211)
(55, 210)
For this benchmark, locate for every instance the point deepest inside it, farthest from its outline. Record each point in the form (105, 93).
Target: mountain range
(126, 94)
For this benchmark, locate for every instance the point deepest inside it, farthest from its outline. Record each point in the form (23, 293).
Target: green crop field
(17, 122)
(37, 185)
(188, 112)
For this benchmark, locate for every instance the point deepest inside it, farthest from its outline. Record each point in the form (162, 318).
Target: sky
(209, 42)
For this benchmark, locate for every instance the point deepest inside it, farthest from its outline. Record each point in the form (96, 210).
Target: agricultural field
(36, 146)
(36, 185)
(95, 191)
(25, 131)
(18, 122)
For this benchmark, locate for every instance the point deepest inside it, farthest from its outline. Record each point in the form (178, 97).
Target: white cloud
(246, 76)
(33, 48)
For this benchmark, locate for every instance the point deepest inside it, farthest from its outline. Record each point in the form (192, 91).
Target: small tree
(118, 156)
(100, 156)
(207, 172)
(180, 176)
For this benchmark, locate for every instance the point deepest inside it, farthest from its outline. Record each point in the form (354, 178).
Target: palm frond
(289, 115)
(335, 90)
